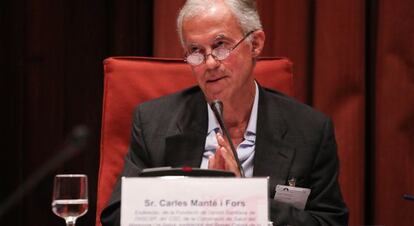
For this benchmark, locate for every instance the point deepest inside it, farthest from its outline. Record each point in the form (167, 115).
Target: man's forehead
(200, 40)
(230, 31)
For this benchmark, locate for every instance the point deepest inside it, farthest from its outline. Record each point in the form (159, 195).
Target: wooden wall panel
(339, 90)
(166, 41)
(289, 33)
(394, 107)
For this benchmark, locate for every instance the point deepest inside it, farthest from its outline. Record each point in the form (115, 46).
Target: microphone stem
(233, 149)
(217, 107)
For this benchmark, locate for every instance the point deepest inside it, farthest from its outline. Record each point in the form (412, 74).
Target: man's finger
(216, 161)
(212, 162)
(222, 142)
(220, 162)
(230, 163)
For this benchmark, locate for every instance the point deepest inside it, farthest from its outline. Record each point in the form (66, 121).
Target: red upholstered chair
(132, 80)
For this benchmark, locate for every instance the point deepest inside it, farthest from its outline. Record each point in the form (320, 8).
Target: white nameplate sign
(194, 201)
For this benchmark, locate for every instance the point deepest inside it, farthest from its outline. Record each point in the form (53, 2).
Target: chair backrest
(131, 80)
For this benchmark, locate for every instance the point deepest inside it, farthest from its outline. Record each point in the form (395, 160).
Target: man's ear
(258, 40)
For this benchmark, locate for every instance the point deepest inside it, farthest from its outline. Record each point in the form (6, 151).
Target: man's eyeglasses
(219, 53)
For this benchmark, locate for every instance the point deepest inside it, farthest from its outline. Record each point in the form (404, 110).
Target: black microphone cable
(75, 143)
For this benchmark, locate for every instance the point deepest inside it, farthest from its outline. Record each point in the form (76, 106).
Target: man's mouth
(214, 80)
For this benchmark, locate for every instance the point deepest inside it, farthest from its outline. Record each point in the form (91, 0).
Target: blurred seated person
(275, 135)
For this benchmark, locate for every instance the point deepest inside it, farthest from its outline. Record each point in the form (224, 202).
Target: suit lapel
(273, 156)
(185, 144)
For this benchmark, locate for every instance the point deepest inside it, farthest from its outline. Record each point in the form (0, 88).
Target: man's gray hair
(245, 12)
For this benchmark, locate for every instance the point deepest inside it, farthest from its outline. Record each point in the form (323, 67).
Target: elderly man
(275, 136)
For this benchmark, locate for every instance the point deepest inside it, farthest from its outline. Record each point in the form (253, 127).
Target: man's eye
(194, 49)
(219, 43)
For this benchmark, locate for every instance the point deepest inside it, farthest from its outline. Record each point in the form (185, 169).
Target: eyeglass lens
(219, 53)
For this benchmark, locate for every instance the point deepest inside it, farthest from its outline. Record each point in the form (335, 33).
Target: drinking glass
(70, 197)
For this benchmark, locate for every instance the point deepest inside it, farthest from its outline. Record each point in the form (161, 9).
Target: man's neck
(237, 111)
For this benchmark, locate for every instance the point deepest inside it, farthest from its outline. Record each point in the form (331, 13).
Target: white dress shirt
(245, 150)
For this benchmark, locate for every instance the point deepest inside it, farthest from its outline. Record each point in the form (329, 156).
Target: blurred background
(353, 60)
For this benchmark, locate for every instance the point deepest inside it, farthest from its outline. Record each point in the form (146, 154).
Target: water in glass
(70, 197)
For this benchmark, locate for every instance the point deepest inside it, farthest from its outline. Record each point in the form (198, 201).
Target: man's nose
(211, 61)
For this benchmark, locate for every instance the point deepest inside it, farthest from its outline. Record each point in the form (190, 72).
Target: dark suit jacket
(292, 140)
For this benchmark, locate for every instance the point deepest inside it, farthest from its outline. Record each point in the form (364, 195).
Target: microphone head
(79, 136)
(217, 105)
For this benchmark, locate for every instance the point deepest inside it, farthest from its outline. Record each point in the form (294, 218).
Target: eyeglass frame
(205, 56)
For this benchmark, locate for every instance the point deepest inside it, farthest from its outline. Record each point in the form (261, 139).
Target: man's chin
(216, 92)
(210, 96)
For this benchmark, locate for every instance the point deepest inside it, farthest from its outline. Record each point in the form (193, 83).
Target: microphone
(75, 143)
(217, 107)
